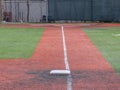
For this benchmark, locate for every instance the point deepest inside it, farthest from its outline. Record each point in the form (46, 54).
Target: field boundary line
(65, 50)
(69, 77)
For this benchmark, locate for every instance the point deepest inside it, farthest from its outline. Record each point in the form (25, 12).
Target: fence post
(91, 10)
(28, 10)
(1, 10)
(46, 10)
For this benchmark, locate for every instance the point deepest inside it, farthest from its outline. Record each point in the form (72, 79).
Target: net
(84, 10)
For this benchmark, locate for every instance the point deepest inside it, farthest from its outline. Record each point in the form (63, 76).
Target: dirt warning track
(89, 69)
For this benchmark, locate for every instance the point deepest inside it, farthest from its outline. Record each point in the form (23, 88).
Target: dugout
(84, 10)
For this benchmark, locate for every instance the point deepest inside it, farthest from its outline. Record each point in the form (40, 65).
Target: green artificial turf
(18, 43)
(107, 40)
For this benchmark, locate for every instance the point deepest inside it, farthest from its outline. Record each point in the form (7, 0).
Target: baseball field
(90, 51)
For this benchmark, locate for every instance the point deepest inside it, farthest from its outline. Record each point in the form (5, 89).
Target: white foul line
(69, 77)
(65, 50)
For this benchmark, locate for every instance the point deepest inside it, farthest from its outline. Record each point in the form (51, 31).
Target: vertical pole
(18, 11)
(91, 10)
(15, 11)
(10, 17)
(28, 10)
(1, 10)
(41, 10)
(46, 10)
(10, 6)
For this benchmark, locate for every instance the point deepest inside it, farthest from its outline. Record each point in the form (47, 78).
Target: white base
(60, 72)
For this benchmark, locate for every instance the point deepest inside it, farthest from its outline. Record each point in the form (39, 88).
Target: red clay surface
(33, 74)
(90, 70)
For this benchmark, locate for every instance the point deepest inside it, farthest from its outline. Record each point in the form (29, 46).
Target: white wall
(19, 10)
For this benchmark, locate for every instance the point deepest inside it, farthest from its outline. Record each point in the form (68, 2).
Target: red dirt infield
(89, 69)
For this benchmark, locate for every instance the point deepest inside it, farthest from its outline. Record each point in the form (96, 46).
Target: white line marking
(69, 77)
(69, 82)
(65, 50)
